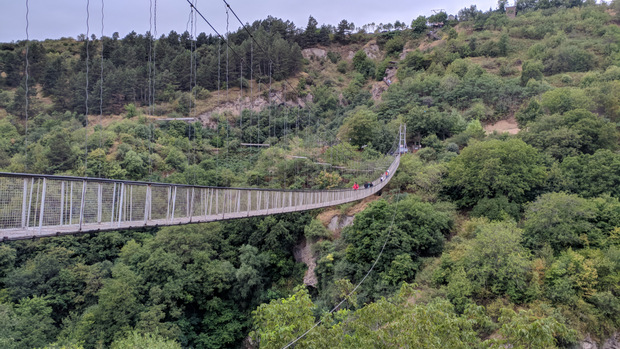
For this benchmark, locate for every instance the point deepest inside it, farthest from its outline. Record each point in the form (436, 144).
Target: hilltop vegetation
(487, 240)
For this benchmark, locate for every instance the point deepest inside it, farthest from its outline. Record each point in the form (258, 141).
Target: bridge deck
(39, 206)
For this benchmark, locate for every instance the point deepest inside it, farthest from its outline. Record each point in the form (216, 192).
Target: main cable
(101, 86)
(356, 286)
(86, 90)
(26, 83)
(151, 108)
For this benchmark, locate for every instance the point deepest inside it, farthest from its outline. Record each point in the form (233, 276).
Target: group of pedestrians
(370, 184)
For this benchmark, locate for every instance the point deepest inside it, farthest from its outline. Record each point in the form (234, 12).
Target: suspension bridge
(34, 205)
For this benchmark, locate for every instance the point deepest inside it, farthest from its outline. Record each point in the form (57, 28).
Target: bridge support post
(82, 203)
(147, 204)
(99, 202)
(191, 206)
(24, 201)
(62, 200)
(43, 192)
(120, 204)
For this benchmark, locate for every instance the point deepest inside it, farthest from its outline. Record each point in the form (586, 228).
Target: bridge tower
(402, 139)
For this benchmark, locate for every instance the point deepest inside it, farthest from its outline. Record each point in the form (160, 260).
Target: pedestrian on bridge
(355, 186)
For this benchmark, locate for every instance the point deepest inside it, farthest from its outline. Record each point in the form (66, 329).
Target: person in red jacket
(356, 186)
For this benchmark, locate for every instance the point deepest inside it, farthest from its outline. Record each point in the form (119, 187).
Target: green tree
(592, 175)
(571, 277)
(531, 70)
(418, 25)
(564, 99)
(60, 155)
(137, 340)
(360, 128)
(496, 261)
(134, 165)
(310, 34)
(282, 320)
(118, 305)
(560, 220)
(528, 330)
(363, 64)
(528, 113)
(495, 168)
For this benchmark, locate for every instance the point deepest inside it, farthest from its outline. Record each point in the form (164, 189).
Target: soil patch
(508, 125)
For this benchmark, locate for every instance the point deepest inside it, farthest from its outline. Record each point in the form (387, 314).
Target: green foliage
(363, 65)
(282, 320)
(418, 25)
(562, 100)
(569, 59)
(360, 128)
(136, 340)
(564, 220)
(496, 209)
(28, 324)
(131, 111)
(592, 175)
(315, 230)
(495, 168)
(577, 131)
(528, 113)
(496, 262)
(394, 45)
(570, 277)
(527, 330)
(196, 285)
(531, 70)
(418, 230)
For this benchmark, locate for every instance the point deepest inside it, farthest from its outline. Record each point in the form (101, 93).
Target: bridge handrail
(161, 184)
(33, 205)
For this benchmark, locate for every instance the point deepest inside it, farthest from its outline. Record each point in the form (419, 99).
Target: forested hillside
(486, 239)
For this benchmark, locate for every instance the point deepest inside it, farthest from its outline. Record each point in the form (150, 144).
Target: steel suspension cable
(194, 89)
(151, 108)
(372, 267)
(227, 84)
(101, 86)
(26, 73)
(86, 89)
(269, 98)
(241, 95)
(190, 23)
(219, 96)
(251, 83)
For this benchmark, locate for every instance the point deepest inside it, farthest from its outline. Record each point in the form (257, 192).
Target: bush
(569, 59)
(334, 57)
(394, 45)
(315, 230)
(363, 64)
(496, 209)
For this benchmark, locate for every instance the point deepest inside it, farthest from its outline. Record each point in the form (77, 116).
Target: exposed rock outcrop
(303, 253)
(316, 52)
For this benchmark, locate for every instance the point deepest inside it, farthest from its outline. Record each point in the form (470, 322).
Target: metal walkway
(40, 205)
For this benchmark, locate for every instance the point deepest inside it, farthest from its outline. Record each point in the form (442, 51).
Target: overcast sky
(52, 19)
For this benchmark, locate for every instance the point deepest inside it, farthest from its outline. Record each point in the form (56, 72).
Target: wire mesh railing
(40, 205)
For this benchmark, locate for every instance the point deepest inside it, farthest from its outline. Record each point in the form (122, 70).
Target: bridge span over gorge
(33, 205)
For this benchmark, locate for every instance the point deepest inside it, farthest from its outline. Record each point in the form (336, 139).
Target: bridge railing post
(82, 204)
(41, 214)
(24, 203)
